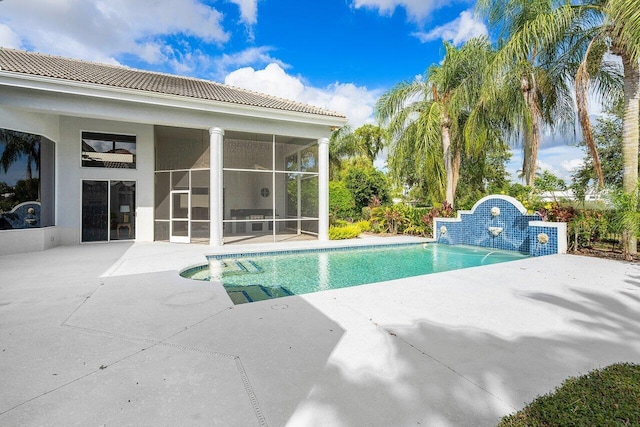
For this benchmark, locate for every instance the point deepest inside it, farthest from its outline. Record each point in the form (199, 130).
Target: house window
(105, 150)
(26, 180)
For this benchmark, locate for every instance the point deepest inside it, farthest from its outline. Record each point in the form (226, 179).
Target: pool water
(257, 277)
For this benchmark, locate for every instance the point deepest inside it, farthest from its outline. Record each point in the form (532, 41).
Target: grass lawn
(605, 397)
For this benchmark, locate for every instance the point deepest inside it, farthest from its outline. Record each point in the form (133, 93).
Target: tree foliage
(341, 202)
(426, 118)
(607, 134)
(366, 182)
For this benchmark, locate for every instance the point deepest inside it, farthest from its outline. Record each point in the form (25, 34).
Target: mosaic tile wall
(508, 230)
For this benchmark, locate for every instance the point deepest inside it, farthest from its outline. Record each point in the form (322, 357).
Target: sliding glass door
(108, 210)
(95, 211)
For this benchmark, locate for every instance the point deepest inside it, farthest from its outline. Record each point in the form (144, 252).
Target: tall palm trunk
(532, 133)
(448, 158)
(630, 134)
(582, 90)
(457, 160)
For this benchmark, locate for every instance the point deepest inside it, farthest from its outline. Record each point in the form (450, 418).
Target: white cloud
(458, 31)
(417, 10)
(254, 56)
(560, 160)
(272, 80)
(572, 164)
(100, 30)
(248, 11)
(8, 38)
(248, 15)
(357, 103)
(544, 166)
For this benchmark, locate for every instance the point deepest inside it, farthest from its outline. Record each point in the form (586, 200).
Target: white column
(323, 189)
(215, 191)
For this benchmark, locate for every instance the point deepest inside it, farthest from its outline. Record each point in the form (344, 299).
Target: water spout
(485, 257)
(495, 231)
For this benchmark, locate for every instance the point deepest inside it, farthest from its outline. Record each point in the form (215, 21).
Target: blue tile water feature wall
(502, 222)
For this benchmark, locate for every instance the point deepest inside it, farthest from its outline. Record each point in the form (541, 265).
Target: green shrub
(346, 232)
(606, 397)
(339, 223)
(341, 202)
(366, 213)
(364, 225)
(388, 217)
(365, 184)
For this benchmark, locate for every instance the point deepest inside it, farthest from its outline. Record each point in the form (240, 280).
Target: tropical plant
(586, 228)
(364, 225)
(370, 140)
(526, 83)
(349, 231)
(550, 183)
(580, 33)
(425, 119)
(484, 174)
(365, 182)
(627, 206)
(341, 147)
(367, 140)
(445, 210)
(387, 218)
(607, 134)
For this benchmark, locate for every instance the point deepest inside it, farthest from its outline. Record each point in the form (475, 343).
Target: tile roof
(57, 67)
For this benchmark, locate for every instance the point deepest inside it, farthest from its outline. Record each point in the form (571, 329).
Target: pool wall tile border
(314, 250)
(519, 231)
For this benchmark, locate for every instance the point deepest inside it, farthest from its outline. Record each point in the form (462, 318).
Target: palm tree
(588, 29)
(425, 119)
(370, 140)
(528, 85)
(341, 147)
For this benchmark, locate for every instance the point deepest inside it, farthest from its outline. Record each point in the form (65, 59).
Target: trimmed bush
(606, 397)
(341, 202)
(346, 232)
(364, 225)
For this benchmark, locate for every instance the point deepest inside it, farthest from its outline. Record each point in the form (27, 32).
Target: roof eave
(50, 84)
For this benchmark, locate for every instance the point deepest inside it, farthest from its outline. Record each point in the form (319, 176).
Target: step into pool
(261, 276)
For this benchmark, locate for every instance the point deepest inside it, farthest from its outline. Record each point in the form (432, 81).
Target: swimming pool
(256, 277)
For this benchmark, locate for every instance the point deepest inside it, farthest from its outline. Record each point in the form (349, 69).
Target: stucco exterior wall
(70, 174)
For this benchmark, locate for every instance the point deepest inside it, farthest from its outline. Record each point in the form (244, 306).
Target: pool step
(233, 266)
(251, 293)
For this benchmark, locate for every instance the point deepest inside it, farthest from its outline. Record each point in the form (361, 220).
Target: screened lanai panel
(309, 159)
(253, 154)
(247, 194)
(301, 195)
(296, 154)
(309, 196)
(200, 184)
(181, 148)
(162, 191)
(268, 185)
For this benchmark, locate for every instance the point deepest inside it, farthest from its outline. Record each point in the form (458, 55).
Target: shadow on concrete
(431, 374)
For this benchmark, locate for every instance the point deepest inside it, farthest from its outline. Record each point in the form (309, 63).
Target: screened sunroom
(269, 188)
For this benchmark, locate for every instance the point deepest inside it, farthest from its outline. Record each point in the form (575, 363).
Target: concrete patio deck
(110, 335)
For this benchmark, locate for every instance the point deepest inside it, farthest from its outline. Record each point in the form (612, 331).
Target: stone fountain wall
(502, 222)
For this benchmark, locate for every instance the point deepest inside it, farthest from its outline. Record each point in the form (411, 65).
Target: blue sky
(336, 54)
